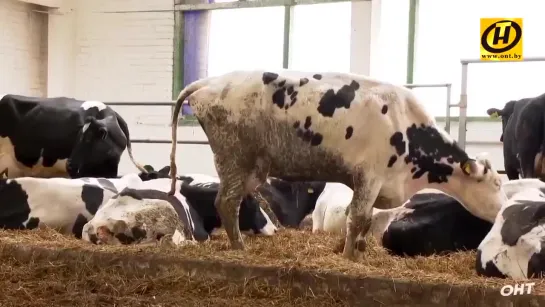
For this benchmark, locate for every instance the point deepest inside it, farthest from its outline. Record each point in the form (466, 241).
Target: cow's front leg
(360, 213)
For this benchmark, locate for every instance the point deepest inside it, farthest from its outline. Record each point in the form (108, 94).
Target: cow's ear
(148, 168)
(165, 170)
(494, 113)
(470, 167)
(103, 132)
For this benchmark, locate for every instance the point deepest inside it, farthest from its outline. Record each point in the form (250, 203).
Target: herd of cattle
(353, 153)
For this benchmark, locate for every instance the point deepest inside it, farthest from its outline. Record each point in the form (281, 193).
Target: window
(449, 31)
(250, 38)
(321, 37)
(393, 39)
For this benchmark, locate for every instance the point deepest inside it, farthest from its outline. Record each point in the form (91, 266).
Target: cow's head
(478, 187)
(135, 219)
(253, 219)
(153, 174)
(291, 201)
(504, 113)
(99, 140)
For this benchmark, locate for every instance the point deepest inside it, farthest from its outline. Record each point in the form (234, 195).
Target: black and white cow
(60, 137)
(291, 202)
(430, 222)
(523, 137)
(148, 213)
(515, 246)
(374, 137)
(59, 203)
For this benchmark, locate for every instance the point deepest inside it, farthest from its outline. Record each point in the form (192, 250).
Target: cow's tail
(125, 128)
(184, 94)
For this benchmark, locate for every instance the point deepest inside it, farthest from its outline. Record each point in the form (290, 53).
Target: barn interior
(137, 55)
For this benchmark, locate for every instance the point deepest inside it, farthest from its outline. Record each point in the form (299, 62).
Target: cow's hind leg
(230, 194)
(237, 179)
(360, 212)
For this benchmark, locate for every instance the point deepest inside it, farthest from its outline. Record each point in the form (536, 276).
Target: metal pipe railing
(463, 92)
(153, 141)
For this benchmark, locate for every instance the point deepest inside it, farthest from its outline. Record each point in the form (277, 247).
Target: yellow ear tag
(310, 190)
(467, 168)
(495, 115)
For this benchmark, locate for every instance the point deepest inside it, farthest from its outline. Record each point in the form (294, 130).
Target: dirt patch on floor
(293, 268)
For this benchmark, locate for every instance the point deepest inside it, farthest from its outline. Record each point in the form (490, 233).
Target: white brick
(23, 49)
(127, 56)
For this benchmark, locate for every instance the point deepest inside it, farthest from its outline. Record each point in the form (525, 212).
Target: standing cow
(60, 137)
(523, 137)
(372, 136)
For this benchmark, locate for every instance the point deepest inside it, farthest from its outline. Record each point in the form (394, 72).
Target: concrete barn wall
(125, 56)
(23, 49)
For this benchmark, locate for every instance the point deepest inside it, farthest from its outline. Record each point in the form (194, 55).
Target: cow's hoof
(339, 248)
(237, 245)
(348, 253)
(359, 251)
(361, 246)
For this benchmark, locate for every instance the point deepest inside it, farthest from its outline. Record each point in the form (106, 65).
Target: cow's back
(60, 203)
(33, 128)
(336, 114)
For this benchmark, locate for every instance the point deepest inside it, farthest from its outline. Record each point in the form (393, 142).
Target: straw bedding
(29, 279)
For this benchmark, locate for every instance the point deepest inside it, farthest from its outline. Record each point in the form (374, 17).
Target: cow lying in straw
(374, 137)
(147, 214)
(515, 246)
(61, 203)
(428, 223)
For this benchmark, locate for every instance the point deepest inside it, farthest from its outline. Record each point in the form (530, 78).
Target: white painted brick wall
(127, 56)
(23, 49)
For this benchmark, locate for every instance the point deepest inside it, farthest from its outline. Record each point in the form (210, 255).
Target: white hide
(56, 201)
(512, 261)
(512, 187)
(93, 104)
(132, 181)
(329, 213)
(18, 170)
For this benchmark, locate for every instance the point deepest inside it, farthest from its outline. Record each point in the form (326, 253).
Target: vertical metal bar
(447, 120)
(288, 19)
(413, 24)
(463, 109)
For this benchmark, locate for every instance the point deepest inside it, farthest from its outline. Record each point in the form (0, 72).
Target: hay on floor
(58, 282)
